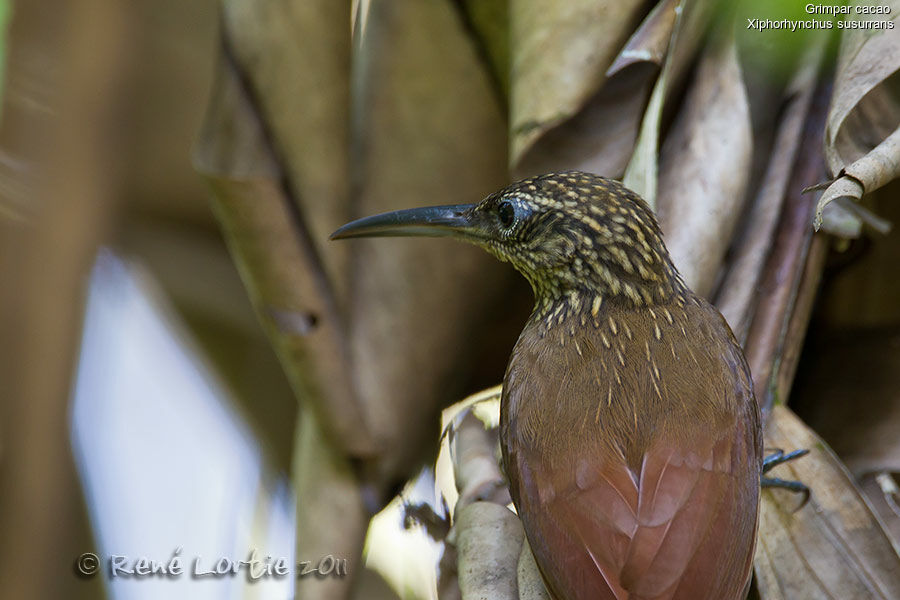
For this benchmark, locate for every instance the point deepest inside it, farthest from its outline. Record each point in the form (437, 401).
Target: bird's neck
(591, 276)
(558, 304)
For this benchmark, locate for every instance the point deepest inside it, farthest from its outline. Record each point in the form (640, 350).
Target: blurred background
(188, 368)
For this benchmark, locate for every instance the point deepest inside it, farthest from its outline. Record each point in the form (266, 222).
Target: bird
(630, 435)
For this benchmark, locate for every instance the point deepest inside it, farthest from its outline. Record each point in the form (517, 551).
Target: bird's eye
(506, 213)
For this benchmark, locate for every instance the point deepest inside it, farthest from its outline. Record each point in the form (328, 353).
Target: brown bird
(629, 429)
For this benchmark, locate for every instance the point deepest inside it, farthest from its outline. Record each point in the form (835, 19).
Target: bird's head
(568, 233)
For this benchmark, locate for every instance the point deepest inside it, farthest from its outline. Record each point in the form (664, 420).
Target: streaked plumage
(632, 485)
(629, 429)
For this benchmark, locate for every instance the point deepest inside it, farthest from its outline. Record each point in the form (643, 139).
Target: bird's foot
(776, 458)
(773, 460)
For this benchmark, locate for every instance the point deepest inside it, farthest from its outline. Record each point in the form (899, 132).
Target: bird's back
(631, 440)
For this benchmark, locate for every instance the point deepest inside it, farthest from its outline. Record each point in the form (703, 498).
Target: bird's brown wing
(601, 531)
(638, 494)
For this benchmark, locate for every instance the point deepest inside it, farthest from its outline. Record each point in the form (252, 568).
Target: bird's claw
(773, 460)
(778, 457)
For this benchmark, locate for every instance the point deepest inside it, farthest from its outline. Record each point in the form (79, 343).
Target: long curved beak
(432, 221)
